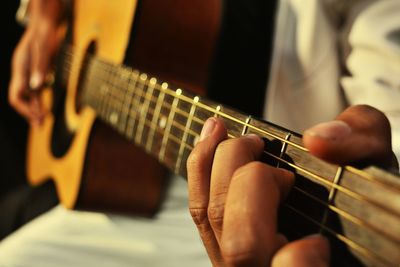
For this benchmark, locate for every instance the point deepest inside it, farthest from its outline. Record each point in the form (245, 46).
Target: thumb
(360, 133)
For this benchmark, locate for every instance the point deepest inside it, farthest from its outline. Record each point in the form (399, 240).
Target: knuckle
(254, 169)
(233, 256)
(216, 215)
(199, 216)
(373, 116)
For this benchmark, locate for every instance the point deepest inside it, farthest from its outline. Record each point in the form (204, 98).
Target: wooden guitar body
(80, 145)
(99, 169)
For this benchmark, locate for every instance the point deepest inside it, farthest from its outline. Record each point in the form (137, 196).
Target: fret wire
(126, 102)
(283, 149)
(366, 252)
(335, 209)
(169, 123)
(177, 140)
(131, 88)
(177, 110)
(350, 169)
(217, 111)
(144, 110)
(245, 127)
(359, 173)
(119, 94)
(171, 137)
(340, 188)
(110, 96)
(338, 211)
(116, 104)
(156, 116)
(185, 133)
(104, 91)
(139, 92)
(331, 195)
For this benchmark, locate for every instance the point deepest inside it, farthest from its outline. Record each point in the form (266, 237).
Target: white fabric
(304, 89)
(307, 86)
(62, 237)
(305, 70)
(375, 63)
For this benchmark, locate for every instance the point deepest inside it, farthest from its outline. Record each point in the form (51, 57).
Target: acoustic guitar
(115, 130)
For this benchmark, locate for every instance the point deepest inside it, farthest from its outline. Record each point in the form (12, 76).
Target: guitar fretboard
(167, 122)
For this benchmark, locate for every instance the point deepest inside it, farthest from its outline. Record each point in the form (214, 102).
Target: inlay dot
(113, 118)
(162, 122)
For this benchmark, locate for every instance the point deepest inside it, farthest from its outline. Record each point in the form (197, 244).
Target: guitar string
(348, 241)
(260, 131)
(352, 170)
(306, 216)
(352, 194)
(335, 187)
(335, 210)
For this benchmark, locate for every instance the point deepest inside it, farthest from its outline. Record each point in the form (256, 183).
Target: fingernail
(208, 127)
(333, 130)
(35, 81)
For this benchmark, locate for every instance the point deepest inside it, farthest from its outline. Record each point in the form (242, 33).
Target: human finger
(230, 155)
(18, 93)
(199, 166)
(310, 251)
(249, 236)
(359, 134)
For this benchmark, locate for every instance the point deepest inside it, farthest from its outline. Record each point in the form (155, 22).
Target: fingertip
(330, 131)
(312, 250)
(325, 140)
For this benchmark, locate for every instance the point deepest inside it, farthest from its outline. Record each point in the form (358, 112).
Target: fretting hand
(234, 199)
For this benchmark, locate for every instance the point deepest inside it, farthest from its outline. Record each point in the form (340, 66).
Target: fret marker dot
(153, 81)
(143, 76)
(164, 86)
(114, 118)
(163, 122)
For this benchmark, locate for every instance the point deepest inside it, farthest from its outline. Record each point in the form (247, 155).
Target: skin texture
(233, 198)
(33, 57)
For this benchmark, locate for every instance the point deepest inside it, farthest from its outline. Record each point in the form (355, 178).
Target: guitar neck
(167, 122)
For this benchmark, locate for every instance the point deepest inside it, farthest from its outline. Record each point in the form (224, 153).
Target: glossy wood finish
(173, 39)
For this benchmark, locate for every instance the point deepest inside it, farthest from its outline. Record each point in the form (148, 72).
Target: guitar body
(99, 169)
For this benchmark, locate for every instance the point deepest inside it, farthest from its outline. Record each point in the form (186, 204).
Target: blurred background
(13, 128)
(19, 203)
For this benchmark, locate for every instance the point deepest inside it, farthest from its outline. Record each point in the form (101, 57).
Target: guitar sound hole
(82, 75)
(61, 136)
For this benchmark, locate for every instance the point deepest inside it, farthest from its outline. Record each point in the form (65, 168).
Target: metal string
(336, 210)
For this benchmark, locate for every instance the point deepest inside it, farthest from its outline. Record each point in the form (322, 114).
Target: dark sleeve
(241, 63)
